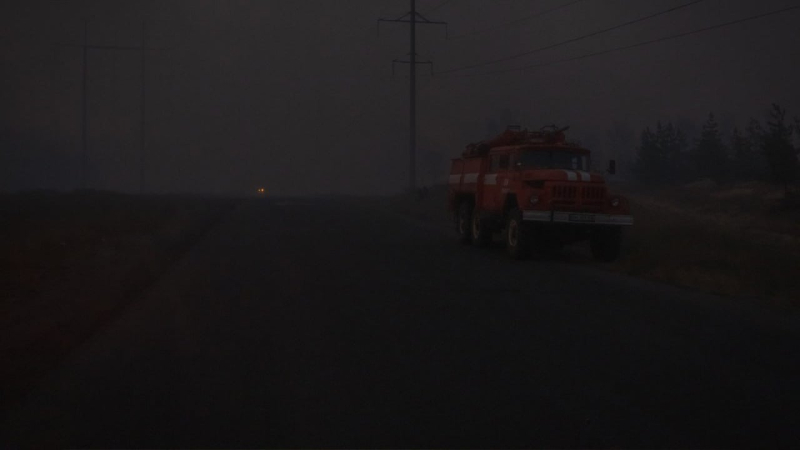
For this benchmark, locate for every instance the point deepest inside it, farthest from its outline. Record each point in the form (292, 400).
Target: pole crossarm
(424, 21)
(430, 22)
(110, 47)
(433, 22)
(400, 61)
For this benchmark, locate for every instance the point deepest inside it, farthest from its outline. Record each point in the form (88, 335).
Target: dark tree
(686, 126)
(620, 144)
(709, 153)
(747, 160)
(778, 148)
(650, 160)
(676, 145)
(661, 156)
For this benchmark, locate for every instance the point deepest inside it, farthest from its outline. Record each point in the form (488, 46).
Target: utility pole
(84, 101)
(84, 121)
(142, 136)
(412, 18)
(412, 117)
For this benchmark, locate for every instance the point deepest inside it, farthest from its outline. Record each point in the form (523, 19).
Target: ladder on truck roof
(515, 135)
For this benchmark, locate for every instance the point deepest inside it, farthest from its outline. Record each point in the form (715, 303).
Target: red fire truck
(538, 191)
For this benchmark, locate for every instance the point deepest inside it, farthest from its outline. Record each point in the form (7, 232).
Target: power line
(513, 22)
(437, 7)
(362, 32)
(569, 41)
(641, 44)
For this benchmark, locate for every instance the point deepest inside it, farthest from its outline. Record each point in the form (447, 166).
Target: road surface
(324, 323)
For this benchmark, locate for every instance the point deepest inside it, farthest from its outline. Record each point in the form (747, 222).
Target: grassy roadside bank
(70, 262)
(735, 241)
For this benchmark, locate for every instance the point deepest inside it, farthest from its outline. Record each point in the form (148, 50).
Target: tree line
(761, 151)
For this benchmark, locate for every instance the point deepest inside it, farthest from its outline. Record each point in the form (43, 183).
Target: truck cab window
(494, 163)
(553, 159)
(503, 162)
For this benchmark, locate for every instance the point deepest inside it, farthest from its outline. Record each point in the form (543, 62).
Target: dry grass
(69, 262)
(735, 241)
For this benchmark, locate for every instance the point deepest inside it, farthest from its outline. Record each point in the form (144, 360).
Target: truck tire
(606, 244)
(481, 231)
(464, 222)
(517, 240)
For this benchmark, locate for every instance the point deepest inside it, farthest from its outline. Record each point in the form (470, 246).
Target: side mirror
(612, 167)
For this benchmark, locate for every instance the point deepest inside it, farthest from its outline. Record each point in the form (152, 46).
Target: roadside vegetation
(719, 213)
(737, 240)
(764, 152)
(70, 262)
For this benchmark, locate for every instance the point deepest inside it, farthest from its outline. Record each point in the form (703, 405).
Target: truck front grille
(577, 195)
(593, 195)
(593, 192)
(564, 192)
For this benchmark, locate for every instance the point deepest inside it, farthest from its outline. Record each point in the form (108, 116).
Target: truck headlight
(534, 199)
(615, 202)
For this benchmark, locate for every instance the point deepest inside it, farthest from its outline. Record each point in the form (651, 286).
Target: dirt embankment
(70, 262)
(738, 240)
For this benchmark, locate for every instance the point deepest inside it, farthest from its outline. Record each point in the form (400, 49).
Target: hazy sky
(298, 96)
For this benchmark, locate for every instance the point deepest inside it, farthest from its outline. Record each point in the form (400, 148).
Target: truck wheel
(464, 222)
(516, 237)
(481, 232)
(606, 244)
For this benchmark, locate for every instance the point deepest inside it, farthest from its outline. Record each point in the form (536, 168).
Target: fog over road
(324, 323)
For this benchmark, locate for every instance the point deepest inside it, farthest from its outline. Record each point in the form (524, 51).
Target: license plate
(581, 218)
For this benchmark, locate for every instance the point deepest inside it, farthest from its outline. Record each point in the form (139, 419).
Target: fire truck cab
(539, 191)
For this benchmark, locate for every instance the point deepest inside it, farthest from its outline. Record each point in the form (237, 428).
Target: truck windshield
(553, 159)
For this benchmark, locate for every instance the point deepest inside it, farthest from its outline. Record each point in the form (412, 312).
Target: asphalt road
(319, 323)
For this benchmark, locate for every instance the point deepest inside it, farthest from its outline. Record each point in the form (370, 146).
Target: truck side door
(492, 195)
(506, 175)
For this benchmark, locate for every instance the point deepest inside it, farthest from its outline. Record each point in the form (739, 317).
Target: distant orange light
(261, 190)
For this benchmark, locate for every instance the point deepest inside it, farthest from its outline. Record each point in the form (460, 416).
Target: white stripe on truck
(455, 179)
(490, 179)
(577, 217)
(571, 176)
(470, 177)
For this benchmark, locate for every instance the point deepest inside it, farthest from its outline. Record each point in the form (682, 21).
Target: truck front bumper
(577, 218)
